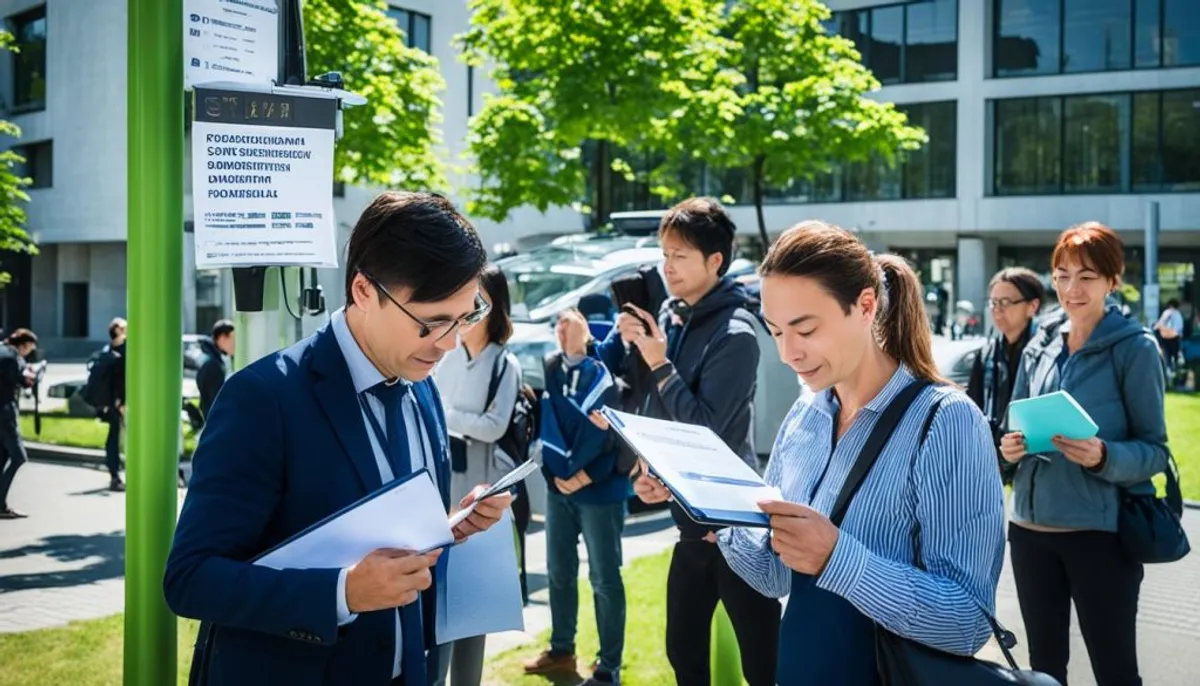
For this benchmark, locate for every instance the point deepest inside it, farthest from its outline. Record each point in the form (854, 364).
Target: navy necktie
(412, 650)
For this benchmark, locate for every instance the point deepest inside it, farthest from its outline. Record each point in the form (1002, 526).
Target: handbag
(901, 661)
(1149, 527)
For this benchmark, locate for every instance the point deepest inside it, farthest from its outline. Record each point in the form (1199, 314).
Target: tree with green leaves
(13, 237)
(787, 101)
(392, 140)
(578, 83)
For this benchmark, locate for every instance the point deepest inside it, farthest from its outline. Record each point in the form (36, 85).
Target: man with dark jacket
(211, 375)
(703, 356)
(115, 415)
(14, 377)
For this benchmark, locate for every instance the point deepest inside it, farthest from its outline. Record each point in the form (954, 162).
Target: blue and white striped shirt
(949, 491)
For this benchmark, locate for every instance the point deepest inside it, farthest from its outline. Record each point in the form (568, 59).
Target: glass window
(416, 27)
(1095, 35)
(39, 164)
(887, 39)
(930, 171)
(29, 62)
(1093, 132)
(873, 180)
(1147, 34)
(1146, 154)
(1027, 146)
(1181, 140)
(1181, 33)
(931, 41)
(1026, 38)
(856, 26)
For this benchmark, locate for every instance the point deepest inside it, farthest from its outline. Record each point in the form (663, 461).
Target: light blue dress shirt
(365, 376)
(947, 489)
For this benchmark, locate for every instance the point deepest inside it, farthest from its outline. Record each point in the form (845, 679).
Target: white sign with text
(230, 41)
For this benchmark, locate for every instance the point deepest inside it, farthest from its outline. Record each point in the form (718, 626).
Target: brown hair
(1095, 246)
(839, 261)
(1025, 280)
(499, 320)
(20, 337)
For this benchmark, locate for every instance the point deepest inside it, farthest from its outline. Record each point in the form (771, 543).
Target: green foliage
(392, 140)
(786, 101)
(13, 197)
(570, 74)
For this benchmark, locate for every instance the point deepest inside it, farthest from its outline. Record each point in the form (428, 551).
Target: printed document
(482, 589)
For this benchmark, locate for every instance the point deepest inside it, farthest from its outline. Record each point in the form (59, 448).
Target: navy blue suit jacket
(285, 446)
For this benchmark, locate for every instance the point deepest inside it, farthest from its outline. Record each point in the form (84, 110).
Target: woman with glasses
(1014, 296)
(480, 366)
(1063, 534)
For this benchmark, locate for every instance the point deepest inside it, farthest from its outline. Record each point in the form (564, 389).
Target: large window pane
(1146, 155)
(930, 171)
(1181, 140)
(1093, 132)
(29, 63)
(872, 180)
(1147, 34)
(931, 45)
(856, 26)
(887, 38)
(1095, 35)
(1027, 37)
(1181, 33)
(420, 32)
(1027, 146)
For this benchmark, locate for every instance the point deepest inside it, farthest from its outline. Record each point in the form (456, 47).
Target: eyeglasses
(444, 327)
(1004, 303)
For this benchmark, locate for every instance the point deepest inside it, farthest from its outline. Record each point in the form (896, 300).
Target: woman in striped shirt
(920, 548)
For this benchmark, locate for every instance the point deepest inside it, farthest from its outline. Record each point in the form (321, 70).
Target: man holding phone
(305, 432)
(702, 353)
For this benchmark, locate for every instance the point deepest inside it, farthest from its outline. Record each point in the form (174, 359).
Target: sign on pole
(230, 41)
(262, 179)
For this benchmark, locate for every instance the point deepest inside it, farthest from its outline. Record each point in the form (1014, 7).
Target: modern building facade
(1040, 114)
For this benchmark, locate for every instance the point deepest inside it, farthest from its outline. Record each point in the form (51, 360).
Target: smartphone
(629, 310)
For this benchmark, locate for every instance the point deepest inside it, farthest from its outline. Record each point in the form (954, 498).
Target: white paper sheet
(481, 593)
(409, 516)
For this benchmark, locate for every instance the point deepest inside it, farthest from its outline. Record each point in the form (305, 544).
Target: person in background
(1169, 328)
(1063, 536)
(703, 353)
(211, 375)
(853, 326)
(585, 496)
(14, 377)
(1015, 295)
(115, 415)
(464, 378)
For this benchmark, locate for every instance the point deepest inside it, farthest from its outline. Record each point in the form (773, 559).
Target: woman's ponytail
(902, 326)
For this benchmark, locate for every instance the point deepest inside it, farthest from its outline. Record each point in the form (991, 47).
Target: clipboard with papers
(710, 482)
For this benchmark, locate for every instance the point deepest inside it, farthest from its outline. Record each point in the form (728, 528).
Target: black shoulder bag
(902, 661)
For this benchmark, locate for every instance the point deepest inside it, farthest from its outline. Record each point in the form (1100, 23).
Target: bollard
(726, 659)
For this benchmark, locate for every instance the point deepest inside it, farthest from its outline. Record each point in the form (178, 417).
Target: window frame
(25, 150)
(409, 34)
(869, 34)
(12, 23)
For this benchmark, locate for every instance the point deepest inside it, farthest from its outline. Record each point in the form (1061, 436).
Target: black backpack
(523, 424)
(100, 390)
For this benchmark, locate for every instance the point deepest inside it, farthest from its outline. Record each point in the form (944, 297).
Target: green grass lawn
(79, 432)
(1183, 430)
(645, 633)
(81, 653)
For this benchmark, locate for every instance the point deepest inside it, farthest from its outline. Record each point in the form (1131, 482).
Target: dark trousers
(700, 577)
(12, 456)
(1091, 569)
(522, 515)
(112, 445)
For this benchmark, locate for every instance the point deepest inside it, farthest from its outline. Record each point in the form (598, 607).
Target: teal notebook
(1046, 416)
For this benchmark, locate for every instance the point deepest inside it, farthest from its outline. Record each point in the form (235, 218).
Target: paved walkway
(66, 562)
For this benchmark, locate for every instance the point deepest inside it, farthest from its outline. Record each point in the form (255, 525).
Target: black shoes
(9, 513)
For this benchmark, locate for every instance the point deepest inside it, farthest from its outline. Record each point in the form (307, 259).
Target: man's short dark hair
(1173, 303)
(703, 224)
(20, 337)
(223, 327)
(114, 325)
(417, 241)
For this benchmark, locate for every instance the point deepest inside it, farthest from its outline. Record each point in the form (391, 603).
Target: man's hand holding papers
(648, 488)
(483, 513)
(387, 579)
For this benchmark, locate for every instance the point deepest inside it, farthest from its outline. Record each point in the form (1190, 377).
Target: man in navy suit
(301, 434)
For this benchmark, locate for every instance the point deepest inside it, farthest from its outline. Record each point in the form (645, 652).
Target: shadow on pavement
(103, 490)
(108, 548)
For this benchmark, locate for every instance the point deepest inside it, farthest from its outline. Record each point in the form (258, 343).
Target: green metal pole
(155, 256)
(725, 658)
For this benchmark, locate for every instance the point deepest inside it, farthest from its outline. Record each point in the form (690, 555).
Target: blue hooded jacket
(1119, 379)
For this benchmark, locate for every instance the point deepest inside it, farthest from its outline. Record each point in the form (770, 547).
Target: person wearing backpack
(1067, 505)
(480, 383)
(105, 391)
(586, 496)
(918, 553)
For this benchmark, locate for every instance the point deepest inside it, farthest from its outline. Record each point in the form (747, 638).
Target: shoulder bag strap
(498, 369)
(880, 434)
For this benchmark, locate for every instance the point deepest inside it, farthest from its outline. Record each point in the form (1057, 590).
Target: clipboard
(1054, 414)
(735, 474)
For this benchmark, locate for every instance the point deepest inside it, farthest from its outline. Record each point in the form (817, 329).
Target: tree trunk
(757, 175)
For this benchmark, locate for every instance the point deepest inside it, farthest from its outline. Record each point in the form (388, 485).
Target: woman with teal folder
(1063, 534)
